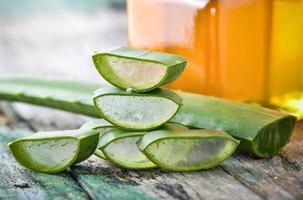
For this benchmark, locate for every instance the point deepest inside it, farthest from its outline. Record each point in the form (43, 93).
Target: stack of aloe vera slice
(143, 126)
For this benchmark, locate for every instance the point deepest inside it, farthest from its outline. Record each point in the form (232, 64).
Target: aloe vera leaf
(68, 95)
(53, 152)
(136, 111)
(102, 126)
(179, 149)
(119, 146)
(138, 69)
(262, 132)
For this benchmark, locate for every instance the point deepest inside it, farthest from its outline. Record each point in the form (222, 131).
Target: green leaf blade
(68, 95)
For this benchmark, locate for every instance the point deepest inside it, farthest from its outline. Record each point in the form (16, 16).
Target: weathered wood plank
(16, 182)
(282, 174)
(99, 176)
(100, 179)
(292, 154)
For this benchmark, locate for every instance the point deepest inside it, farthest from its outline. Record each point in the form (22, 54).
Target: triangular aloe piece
(134, 111)
(53, 152)
(138, 69)
(178, 149)
(102, 126)
(119, 146)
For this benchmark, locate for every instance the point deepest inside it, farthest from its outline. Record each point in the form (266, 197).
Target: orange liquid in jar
(248, 50)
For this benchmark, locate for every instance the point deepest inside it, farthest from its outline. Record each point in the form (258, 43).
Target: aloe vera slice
(262, 132)
(138, 69)
(102, 126)
(134, 111)
(119, 146)
(175, 149)
(53, 152)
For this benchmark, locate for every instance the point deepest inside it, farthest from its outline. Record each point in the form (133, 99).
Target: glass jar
(246, 50)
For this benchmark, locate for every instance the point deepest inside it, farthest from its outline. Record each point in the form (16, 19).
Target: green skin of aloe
(262, 132)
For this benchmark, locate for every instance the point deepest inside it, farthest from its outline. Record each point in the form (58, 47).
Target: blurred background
(245, 50)
(58, 37)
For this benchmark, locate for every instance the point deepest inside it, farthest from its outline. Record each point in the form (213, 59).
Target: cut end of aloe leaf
(137, 111)
(52, 152)
(138, 69)
(119, 146)
(272, 138)
(187, 150)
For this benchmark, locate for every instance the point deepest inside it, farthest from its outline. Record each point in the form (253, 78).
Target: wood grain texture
(237, 178)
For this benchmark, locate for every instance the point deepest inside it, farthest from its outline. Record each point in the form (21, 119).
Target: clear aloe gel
(139, 69)
(53, 152)
(136, 111)
(174, 148)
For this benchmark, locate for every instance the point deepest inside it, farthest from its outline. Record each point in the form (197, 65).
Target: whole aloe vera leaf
(178, 149)
(136, 111)
(139, 69)
(119, 146)
(262, 132)
(53, 152)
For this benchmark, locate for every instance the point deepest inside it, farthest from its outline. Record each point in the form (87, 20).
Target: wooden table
(61, 45)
